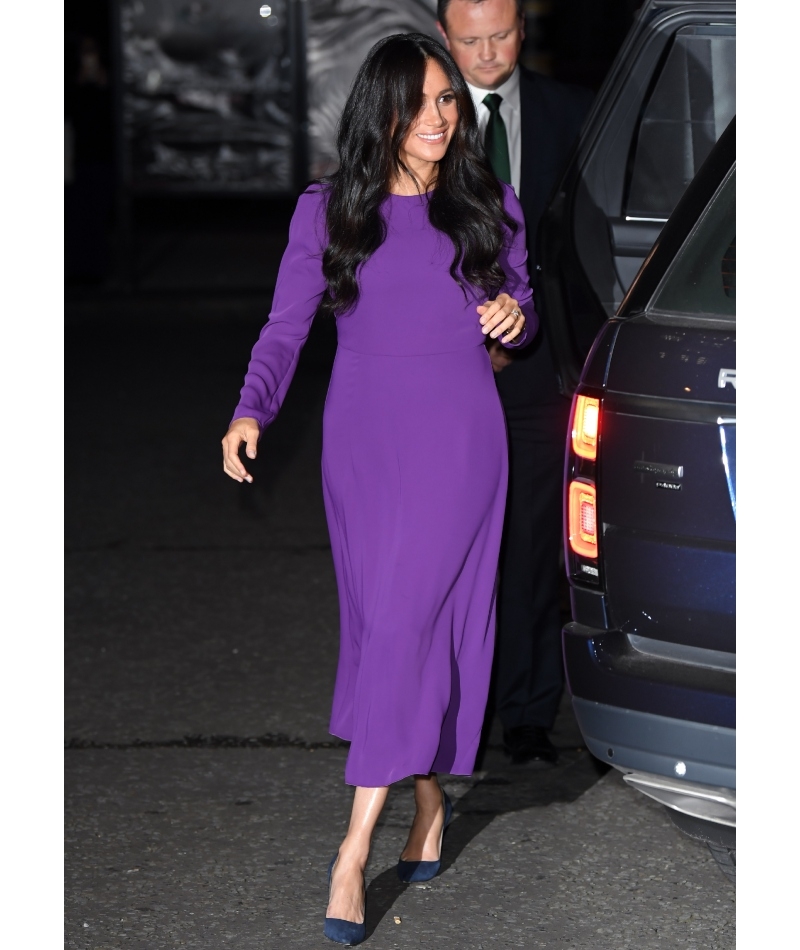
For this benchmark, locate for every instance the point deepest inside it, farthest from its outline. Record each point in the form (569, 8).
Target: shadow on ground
(498, 791)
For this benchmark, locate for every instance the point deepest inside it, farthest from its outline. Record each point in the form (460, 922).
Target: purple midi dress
(414, 468)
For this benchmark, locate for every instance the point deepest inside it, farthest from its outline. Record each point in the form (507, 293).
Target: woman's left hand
(501, 318)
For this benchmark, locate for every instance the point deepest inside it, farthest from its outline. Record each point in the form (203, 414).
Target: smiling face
(426, 141)
(484, 39)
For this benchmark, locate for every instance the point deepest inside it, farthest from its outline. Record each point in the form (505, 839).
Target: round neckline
(423, 195)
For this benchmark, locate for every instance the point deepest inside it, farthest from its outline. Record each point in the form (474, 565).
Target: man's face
(484, 39)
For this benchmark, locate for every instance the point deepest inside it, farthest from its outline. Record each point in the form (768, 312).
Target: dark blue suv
(637, 282)
(650, 519)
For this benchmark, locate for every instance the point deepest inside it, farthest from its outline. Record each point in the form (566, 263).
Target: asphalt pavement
(204, 794)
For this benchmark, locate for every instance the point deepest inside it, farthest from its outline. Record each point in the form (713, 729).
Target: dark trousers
(528, 669)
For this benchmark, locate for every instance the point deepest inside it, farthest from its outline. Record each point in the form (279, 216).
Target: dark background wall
(89, 174)
(576, 40)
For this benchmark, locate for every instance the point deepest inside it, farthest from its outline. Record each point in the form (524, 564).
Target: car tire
(721, 839)
(726, 860)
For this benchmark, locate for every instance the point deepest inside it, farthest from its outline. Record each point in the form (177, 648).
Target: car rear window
(702, 279)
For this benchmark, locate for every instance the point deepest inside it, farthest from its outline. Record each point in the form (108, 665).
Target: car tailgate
(667, 484)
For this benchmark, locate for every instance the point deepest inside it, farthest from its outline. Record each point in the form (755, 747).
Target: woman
(419, 252)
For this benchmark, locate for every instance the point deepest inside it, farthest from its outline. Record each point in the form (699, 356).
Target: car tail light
(585, 427)
(582, 518)
(582, 525)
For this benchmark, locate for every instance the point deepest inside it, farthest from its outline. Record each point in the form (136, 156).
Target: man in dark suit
(530, 124)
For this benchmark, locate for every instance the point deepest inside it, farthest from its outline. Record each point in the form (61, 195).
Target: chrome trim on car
(658, 468)
(702, 801)
(681, 653)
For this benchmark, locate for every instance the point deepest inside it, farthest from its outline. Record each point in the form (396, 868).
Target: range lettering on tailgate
(726, 376)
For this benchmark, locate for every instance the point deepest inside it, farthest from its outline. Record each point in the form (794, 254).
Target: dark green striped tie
(496, 139)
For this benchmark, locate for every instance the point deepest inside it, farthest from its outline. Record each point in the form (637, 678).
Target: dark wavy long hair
(467, 201)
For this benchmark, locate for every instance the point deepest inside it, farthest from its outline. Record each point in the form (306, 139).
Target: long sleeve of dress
(298, 291)
(514, 261)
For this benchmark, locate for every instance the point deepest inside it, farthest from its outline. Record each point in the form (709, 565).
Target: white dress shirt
(510, 112)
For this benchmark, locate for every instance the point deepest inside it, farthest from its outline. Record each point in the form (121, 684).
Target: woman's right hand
(241, 430)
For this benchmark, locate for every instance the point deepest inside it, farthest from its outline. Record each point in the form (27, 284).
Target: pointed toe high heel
(346, 932)
(412, 872)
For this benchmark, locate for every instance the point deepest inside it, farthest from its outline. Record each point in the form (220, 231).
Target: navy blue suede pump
(345, 932)
(411, 872)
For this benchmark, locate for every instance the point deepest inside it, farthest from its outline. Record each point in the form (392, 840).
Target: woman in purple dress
(419, 252)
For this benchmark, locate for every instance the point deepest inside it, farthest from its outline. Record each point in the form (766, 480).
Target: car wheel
(721, 839)
(726, 860)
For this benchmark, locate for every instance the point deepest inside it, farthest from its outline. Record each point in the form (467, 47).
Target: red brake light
(583, 518)
(585, 427)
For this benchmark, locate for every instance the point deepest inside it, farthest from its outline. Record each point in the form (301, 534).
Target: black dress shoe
(530, 745)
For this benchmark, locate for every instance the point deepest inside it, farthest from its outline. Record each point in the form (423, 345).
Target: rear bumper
(684, 752)
(670, 727)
